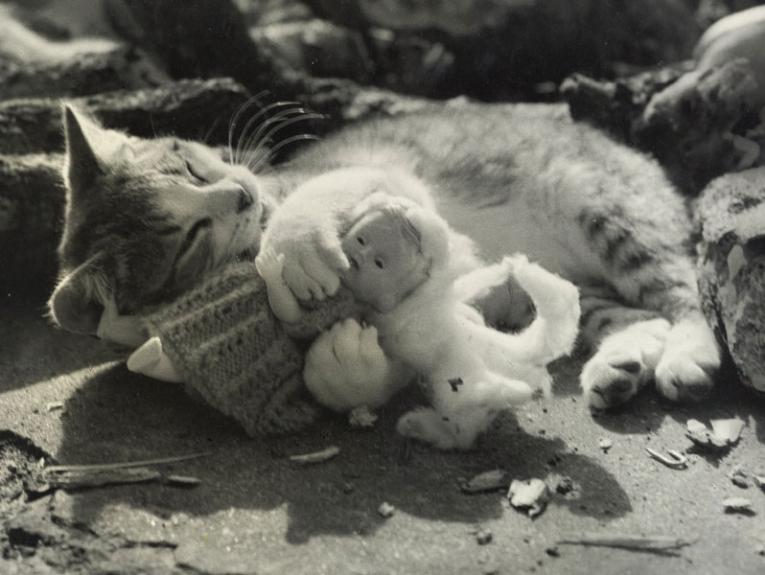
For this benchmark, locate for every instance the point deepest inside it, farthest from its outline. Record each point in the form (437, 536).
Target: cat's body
(525, 178)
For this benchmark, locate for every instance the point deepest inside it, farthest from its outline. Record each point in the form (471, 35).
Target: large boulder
(731, 215)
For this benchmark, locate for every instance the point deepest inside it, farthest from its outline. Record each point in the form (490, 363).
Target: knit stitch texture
(231, 350)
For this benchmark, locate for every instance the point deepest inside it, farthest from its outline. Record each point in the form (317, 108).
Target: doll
(415, 277)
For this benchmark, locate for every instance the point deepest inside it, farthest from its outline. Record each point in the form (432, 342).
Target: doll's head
(391, 251)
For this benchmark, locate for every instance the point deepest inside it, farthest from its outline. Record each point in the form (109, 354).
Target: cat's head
(145, 220)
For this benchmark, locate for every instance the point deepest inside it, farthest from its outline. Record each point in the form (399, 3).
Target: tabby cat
(147, 217)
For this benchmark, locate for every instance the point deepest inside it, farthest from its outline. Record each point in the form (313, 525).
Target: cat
(515, 178)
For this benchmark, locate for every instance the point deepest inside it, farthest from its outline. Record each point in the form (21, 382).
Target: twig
(650, 543)
(124, 465)
(317, 456)
(102, 477)
(676, 460)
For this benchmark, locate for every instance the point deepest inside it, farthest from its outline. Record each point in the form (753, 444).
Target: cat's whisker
(261, 141)
(258, 136)
(255, 143)
(268, 157)
(243, 137)
(255, 99)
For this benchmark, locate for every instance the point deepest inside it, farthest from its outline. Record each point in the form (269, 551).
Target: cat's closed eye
(194, 173)
(194, 233)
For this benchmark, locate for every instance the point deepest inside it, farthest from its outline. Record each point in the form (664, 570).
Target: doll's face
(386, 261)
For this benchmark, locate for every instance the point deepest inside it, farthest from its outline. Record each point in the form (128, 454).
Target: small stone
(362, 417)
(605, 444)
(484, 536)
(386, 510)
(552, 551)
(486, 481)
(759, 481)
(739, 477)
(738, 505)
(530, 496)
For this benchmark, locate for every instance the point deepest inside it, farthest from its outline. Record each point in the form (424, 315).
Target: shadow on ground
(117, 415)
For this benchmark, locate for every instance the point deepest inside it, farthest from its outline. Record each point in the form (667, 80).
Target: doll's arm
(151, 360)
(283, 302)
(346, 368)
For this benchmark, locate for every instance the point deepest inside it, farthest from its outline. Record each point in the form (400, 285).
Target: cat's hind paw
(623, 364)
(686, 369)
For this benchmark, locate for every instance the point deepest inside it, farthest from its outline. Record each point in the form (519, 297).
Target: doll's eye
(361, 240)
(379, 263)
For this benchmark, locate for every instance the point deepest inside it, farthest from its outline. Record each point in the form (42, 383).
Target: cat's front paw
(686, 369)
(346, 368)
(312, 262)
(427, 425)
(623, 364)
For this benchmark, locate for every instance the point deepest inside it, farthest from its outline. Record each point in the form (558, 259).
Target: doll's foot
(151, 360)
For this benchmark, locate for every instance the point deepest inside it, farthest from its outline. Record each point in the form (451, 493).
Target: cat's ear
(75, 304)
(82, 165)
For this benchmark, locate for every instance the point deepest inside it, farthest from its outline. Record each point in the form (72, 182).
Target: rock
(731, 217)
(316, 47)
(187, 108)
(119, 69)
(386, 510)
(530, 496)
(520, 44)
(31, 209)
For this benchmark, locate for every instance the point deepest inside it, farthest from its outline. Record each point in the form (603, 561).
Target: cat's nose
(245, 200)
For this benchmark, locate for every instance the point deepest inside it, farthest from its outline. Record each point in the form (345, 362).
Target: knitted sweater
(232, 351)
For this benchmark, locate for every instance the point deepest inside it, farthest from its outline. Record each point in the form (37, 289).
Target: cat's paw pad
(428, 426)
(269, 264)
(609, 381)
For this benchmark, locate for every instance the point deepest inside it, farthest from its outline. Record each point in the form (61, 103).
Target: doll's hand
(346, 368)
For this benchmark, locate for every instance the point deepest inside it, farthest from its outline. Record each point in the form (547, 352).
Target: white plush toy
(417, 278)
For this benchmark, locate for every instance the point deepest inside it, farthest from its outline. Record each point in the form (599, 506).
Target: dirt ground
(256, 511)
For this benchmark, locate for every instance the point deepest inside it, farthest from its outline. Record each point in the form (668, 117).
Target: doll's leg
(462, 410)
(151, 360)
(557, 305)
(549, 336)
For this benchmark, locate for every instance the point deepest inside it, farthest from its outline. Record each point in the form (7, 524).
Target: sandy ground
(257, 512)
